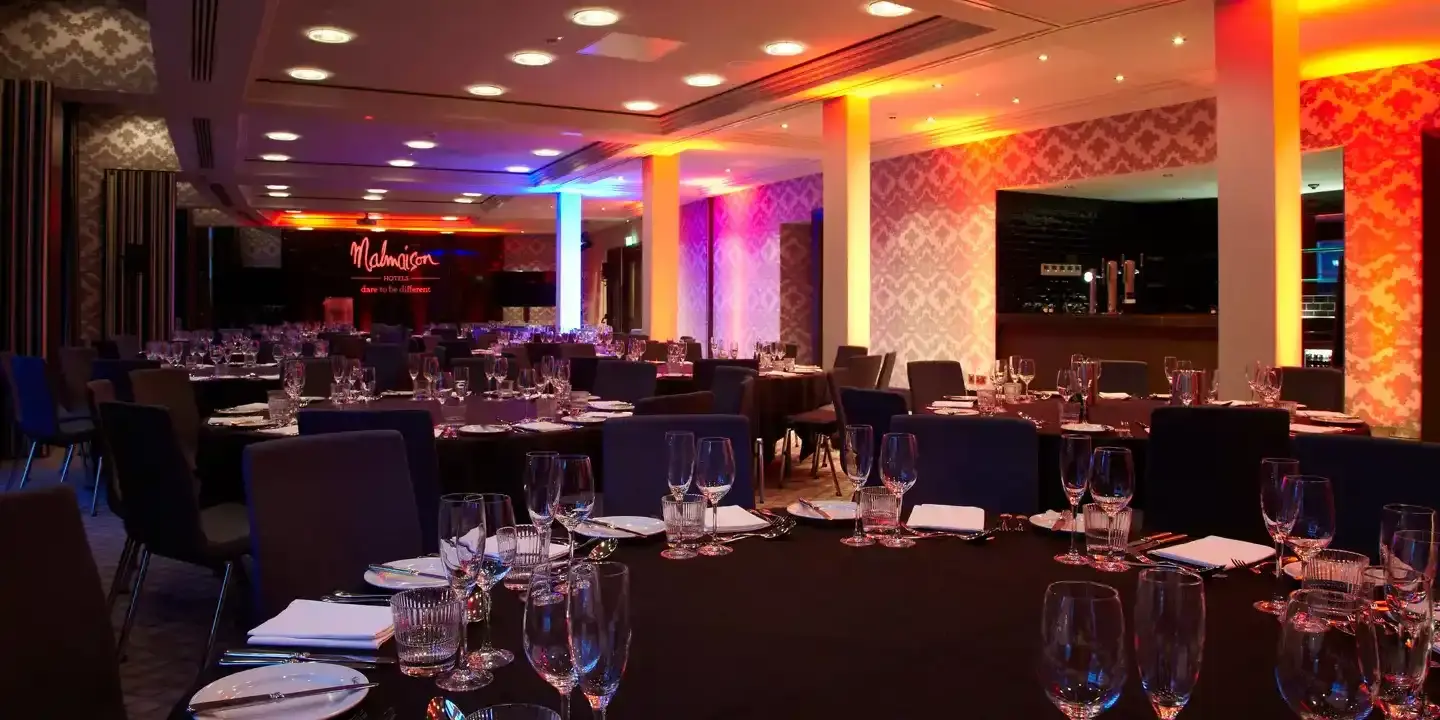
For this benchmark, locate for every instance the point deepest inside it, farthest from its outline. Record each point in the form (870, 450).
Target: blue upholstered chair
(634, 470)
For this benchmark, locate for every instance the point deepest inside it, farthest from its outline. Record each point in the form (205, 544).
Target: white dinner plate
(955, 411)
(644, 525)
(969, 398)
(836, 509)
(1291, 569)
(398, 581)
(311, 399)
(482, 429)
(1086, 427)
(251, 422)
(611, 405)
(1047, 521)
(585, 419)
(246, 409)
(286, 677)
(1327, 416)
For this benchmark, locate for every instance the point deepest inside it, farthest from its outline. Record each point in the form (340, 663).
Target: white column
(660, 246)
(567, 260)
(845, 294)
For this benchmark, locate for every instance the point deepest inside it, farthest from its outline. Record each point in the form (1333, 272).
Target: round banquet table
(212, 393)
(804, 627)
(777, 397)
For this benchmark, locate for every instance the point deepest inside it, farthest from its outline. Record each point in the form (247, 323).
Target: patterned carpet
(178, 600)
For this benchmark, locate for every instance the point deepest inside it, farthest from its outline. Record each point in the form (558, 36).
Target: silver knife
(616, 528)
(815, 509)
(318, 657)
(262, 662)
(405, 571)
(200, 707)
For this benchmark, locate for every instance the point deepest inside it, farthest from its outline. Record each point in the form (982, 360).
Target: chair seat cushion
(227, 528)
(818, 416)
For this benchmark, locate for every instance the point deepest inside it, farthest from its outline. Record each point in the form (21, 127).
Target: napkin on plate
(283, 431)
(1051, 517)
(733, 518)
(780, 374)
(267, 377)
(248, 408)
(541, 426)
(1213, 551)
(953, 404)
(556, 549)
(309, 623)
(947, 517)
(227, 421)
(1315, 429)
(1114, 396)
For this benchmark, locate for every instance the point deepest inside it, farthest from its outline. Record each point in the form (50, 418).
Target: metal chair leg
(830, 460)
(785, 458)
(815, 456)
(122, 572)
(69, 453)
(26, 475)
(219, 612)
(760, 468)
(95, 493)
(134, 603)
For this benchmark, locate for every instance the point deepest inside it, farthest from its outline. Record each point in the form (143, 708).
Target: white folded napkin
(780, 374)
(226, 421)
(1114, 396)
(953, 404)
(1213, 550)
(947, 517)
(284, 431)
(1315, 429)
(733, 518)
(541, 426)
(322, 624)
(268, 377)
(201, 378)
(1051, 517)
(248, 408)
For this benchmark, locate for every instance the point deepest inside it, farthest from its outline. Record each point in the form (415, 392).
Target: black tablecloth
(804, 627)
(212, 395)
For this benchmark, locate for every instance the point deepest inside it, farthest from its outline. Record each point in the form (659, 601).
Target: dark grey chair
(576, 350)
(635, 479)
(391, 363)
(323, 507)
(622, 380)
(418, 429)
(59, 620)
(706, 368)
(451, 350)
(1317, 388)
(77, 366)
(118, 373)
(1368, 473)
(1127, 376)
(984, 462)
(37, 413)
(932, 380)
(318, 377)
(582, 372)
(728, 385)
(170, 388)
(695, 403)
(864, 371)
(656, 350)
(1202, 458)
(161, 512)
(844, 353)
(887, 369)
(864, 406)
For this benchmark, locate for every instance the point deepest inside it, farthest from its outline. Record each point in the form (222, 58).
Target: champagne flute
(367, 383)
(547, 372)
(525, 381)
(899, 459)
(547, 632)
(462, 533)
(1170, 367)
(1169, 636)
(501, 544)
(576, 496)
(599, 616)
(1025, 371)
(1279, 517)
(339, 368)
(542, 491)
(489, 365)
(858, 458)
(431, 369)
(417, 361)
(1075, 455)
(1112, 484)
(1318, 664)
(502, 371)
(1313, 501)
(679, 461)
(714, 474)
(1082, 648)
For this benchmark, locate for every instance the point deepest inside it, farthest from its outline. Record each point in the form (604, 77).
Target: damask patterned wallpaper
(78, 44)
(534, 253)
(799, 304)
(692, 317)
(260, 247)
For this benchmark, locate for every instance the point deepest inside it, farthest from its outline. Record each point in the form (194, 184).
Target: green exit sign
(630, 240)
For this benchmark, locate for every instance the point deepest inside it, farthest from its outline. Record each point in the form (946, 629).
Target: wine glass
(367, 383)
(1025, 371)
(1184, 386)
(431, 368)
(462, 533)
(542, 490)
(1082, 648)
(547, 372)
(1399, 516)
(1313, 501)
(294, 379)
(1411, 570)
(1395, 647)
(1075, 454)
(1170, 367)
(562, 377)
(1317, 664)
(501, 544)
(857, 459)
(599, 615)
(416, 363)
(502, 371)
(576, 496)
(547, 631)
(525, 381)
(489, 365)
(999, 372)
(1274, 381)
(899, 460)
(1112, 484)
(714, 474)
(1279, 517)
(679, 461)
(1169, 636)
(460, 382)
(1065, 383)
(339, 368)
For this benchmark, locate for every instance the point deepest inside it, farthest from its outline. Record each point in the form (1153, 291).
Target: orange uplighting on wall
(1349, 60)
(1320, 7)
(666, 148)
(397, 223)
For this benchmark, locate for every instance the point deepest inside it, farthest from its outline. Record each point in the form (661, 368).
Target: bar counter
(1052, 339)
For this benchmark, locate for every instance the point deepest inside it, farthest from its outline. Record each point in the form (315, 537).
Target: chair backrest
(574, 350)
(844, 353)
(128, 346)
(633, 449)
(621, 380)
(985, 462)
(728, 384)
(876, 408)
(429, 343)
(693, 351)
(454, 349)
(418, 429)
(76, 366)
(1317, 388)
(656, 350)
(351, 346)
(1203, 461)
(391, 364)
(160, 506)
(265, 352)
(59, 619)
(323, 507)
(118, 373)
(536, 351)
(103, 391)
(932, 380)
(792, 350)
(390, 335)
(887, 369)
(864, 370)
(170, 388)
(36, 409)
(105, 349)
(701, 402)
(1368, 473)
(1127, 376)
(318, 377)
(705, 370)
(582, 372)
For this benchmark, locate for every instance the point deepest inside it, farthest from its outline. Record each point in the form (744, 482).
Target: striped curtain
(25, 125)
(138, 230)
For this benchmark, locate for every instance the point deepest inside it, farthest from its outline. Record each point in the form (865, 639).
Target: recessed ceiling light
(1177, 40)
(1015, 100)
(937, 86)
(533, 58)
(377, 229)
(308, 73)
(618, 178)
(517, 168)
(703, 80)
(293, 212)
(402, 162)
(376, 191)
(472, 194)
(305, 228)
(1119, 78)
(595, 17)
(930, 119)
(727, 171)
(278, 194)
(1044, 57)
(330, 35)
(274, 157)
(375, 216)
(784, 126)
(486, 90)
(784, 48)
(282, 136)
(450, 218)
(373, 197)
(464, 200)
(545, 152)
(420, 144)
(641, 106)
(570, 133)
(447, 232)
(885, 8)
(277, 187)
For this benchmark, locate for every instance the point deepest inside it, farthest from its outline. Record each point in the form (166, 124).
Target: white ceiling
(1323, 170)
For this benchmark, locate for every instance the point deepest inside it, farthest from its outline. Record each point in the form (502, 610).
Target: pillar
(138, 236)
(660, 246)
(567, 261)
(26, 123)
(845, 248)
(1258, 166)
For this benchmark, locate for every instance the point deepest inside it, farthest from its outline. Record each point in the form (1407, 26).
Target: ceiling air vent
(204, 145)
(203, 15)
(221, 194)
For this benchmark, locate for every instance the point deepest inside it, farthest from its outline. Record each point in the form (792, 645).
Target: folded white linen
(228, 420)
(541, 426)
(779, 374)
(1213, 550)
(1114, 396)
(1315, 429)
(283, 431)
(284, 641)
(734, 518)
(953, 404)
(947, 517)
(247, 408)
(322, 624)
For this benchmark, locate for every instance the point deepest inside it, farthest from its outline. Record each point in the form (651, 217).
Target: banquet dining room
(475, 360)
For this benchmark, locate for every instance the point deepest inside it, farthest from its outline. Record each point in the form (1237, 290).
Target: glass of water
(684, 523)
(1106, 537)
(1082, 648)
(879, 511)
(427, 630)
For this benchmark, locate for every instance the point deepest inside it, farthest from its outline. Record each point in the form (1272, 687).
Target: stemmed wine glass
(1065, 383)
(1318, 664)
(546, 373)
(462, 540)
(576, 496)
(1313, 501)
(1082, 648)
(460, 382)
(1025, 372)
(502, 372)
(339, 370)
(1398, 516)
(999, 373)
(679, 461)
(899, 459)
(294, 379)
(417, 362)
(714, 474)
(1279, 517)
(489, 364)
(1170, 368)
(1075, 455)
(542, 491)
(501, 545)
(1169, 636)
(857, 459)
(431, 368)
(1112, 484)
(599, 616)
(547, 631)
